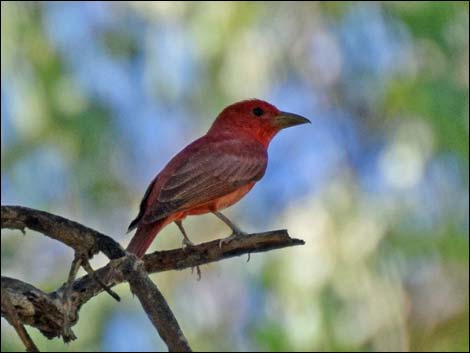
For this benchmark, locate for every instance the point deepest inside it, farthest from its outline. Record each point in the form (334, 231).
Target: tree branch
(36, 308)
(12, 317)
(179, 259)
(154, 304)
(82, 239)
(55, 313)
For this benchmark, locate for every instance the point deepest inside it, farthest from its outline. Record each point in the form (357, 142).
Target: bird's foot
(186, 243)
(235, 235)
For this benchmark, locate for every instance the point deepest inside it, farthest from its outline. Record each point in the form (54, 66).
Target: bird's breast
(221, 202)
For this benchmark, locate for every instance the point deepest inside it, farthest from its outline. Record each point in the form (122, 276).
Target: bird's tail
(144, 237)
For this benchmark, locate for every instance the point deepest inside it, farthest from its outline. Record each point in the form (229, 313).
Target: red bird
(213, 172)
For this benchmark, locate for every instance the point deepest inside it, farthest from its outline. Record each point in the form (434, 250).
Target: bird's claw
(234, 235)
(187, 243)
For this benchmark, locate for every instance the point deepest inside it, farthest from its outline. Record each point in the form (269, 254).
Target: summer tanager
(213, 172)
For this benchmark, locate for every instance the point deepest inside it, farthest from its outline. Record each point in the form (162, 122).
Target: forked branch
(55, 313)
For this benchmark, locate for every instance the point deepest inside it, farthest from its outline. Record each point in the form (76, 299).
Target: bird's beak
(284, 120)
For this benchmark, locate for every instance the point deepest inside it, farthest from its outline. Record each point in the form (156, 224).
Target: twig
(67, 331)
(86, 265)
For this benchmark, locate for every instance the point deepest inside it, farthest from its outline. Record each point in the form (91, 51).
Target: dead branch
(154, 304)
(82, 239)
(55, 313)
(12, 317)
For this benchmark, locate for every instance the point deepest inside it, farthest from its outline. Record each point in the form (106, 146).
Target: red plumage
(213, 172)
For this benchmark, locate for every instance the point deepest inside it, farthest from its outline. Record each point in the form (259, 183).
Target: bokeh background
(96, 97)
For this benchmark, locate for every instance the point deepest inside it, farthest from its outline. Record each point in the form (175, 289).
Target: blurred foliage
(96, 96)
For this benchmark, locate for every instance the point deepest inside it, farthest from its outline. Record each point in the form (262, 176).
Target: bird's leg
(233, 227)
(236, 232)
(186, 240)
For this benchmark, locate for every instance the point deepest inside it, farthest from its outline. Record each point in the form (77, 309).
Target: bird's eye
(258, 111)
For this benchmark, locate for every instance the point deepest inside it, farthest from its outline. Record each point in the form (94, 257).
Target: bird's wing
(143, 204)
(209, 172)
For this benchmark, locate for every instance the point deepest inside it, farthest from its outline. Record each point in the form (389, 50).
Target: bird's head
(255, 118)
